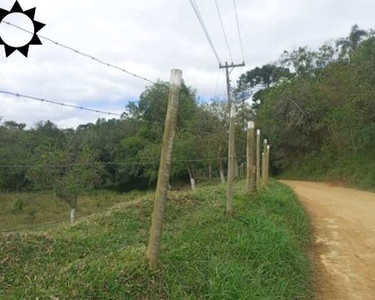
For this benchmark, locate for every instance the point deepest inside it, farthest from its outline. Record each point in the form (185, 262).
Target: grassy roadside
(19, 210)
(255, 254)
(355, 171)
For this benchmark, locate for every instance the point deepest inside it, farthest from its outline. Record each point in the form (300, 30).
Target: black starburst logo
(37, 27)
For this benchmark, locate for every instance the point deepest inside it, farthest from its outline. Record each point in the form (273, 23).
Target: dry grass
(20, 210)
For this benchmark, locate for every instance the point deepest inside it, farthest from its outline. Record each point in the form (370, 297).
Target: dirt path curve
(344, 227)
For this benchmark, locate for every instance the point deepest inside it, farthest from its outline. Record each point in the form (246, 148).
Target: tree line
(318, 109)
(119, 154)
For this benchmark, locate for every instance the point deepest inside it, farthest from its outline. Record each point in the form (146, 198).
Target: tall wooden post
(153, 249)
(268, 163)
(258, 159)
(231, 159)
(250, 158)
(264, 164)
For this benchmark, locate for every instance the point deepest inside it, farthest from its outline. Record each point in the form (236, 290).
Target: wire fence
(65, 220)
(215, 133)
(121, 163)
(202, 175)
(79, 107)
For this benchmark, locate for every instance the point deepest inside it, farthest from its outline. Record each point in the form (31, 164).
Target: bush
(17, 206)
(31, 214)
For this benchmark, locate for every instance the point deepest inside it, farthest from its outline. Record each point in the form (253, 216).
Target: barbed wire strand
(87, 215)
(60, 103)
(18, 95)
(118, 163)
(59, 221)
(81, 53)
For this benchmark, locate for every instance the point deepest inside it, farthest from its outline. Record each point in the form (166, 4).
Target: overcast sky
(149, 38)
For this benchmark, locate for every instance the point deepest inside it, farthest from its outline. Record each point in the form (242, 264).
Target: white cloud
(149, 38)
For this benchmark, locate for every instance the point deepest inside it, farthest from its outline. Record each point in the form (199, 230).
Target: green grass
(257, 253)
(356, 170)
(19, 210)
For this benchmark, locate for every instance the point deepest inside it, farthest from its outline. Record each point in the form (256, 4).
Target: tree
(251, 83)
(266, 75)
(350, 44)
(302, 61)
(188, 149)
(215, 119)
(152, 109)
(68, 174)
(321, 122)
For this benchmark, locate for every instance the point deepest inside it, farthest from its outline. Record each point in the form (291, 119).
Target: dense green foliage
(118, 154)
(255, 254)
(320, 120)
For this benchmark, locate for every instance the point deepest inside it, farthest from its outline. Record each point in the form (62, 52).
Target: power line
(82, 54)
(222, 26)
(217, 83)
(239, 31)
(205, 31)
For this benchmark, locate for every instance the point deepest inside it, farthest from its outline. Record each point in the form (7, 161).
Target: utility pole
(258, 159)
(232, 131)
(153, 249)
(231, 159)
(250, 161)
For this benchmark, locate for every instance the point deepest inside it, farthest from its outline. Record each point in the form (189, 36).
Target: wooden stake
(153, 249)
(268, 164)
(250, 158)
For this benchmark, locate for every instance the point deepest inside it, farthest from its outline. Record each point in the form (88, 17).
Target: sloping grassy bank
(355, 170)
(258, 253)
(23, 210)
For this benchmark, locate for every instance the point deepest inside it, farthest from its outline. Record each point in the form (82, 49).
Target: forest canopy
(316, 107)
(118, 154)
(319, 112)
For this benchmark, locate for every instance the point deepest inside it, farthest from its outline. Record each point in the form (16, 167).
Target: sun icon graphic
(30, 13)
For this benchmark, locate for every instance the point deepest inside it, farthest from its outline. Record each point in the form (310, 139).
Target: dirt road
(344, 228)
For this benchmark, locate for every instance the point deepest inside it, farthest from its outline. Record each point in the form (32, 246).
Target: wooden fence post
(250, 158)
(153, 249)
